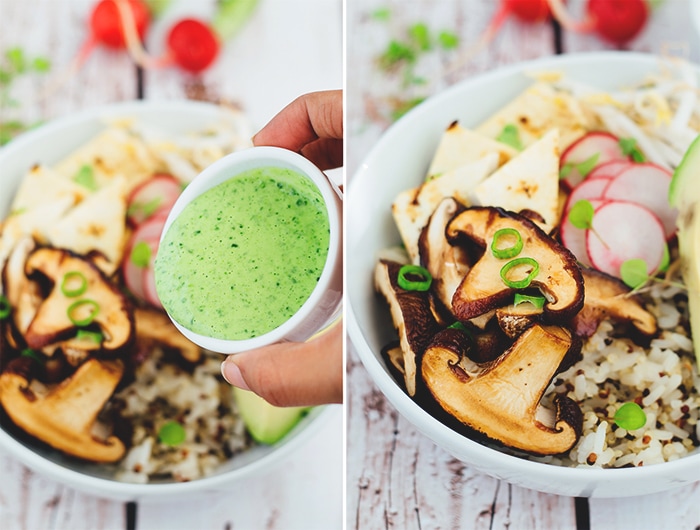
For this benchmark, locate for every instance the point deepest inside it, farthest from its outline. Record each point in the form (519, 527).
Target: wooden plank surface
(286, 49)
(397, 478)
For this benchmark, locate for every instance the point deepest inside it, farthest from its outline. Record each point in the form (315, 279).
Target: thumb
(292, 373)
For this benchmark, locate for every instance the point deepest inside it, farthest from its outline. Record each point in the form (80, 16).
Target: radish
(647, 185)
(153, 197)
(609, 170)
(192, 45)
(574, 238)
(137, 265)
(618, 21)
(623, 231)
(587, 153)
(588, 189)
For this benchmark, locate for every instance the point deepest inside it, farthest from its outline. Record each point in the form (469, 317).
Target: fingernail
(233, 375)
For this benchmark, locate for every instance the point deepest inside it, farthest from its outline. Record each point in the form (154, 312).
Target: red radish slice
(604, 144)
(588, 189)
(628, 231)
(137, 277)
(609, 170)
(575, 238)
(149, 279)
(152, 197)
(647, 185)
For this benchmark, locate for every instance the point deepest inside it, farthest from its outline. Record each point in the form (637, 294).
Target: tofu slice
(412, 208)
(529, 181)
(459, 146)
(537, 110)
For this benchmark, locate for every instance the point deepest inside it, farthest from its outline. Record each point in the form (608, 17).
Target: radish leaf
(581, 214)
(634, 272)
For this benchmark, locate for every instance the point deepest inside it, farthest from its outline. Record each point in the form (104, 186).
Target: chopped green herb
(458, 325)
(172, 433)
(34, 355)
(630, 416)
(141, 254)
(230, 16)
(581, 214)
(395, 54)
(18, 62)
(420, 35)
(634, 272)
(510, 136)
(403, 106)
(85, 176)
(537, 301)
(41, 65)
(629, 148)
(382, 14)
(157, 7)
(5, 307)
(448, 40)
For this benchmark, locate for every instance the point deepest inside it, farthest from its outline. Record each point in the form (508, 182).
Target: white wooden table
(397, 478)
(286, 49)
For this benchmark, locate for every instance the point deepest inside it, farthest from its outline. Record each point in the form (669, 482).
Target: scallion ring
(414, 285)
(5, 307)
(75, 307)
(86, 334)
(537, 301)
(507, 252)
(525, 282)
(69, 279)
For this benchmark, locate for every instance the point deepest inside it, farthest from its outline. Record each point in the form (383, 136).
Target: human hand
(308, 373)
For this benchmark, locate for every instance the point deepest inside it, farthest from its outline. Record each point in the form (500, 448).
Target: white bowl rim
(112, 488)
(416, 415)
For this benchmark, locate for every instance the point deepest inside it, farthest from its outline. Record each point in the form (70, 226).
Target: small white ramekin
(325, 302)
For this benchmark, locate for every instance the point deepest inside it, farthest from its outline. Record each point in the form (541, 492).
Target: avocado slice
(266, 423)
(684, 194)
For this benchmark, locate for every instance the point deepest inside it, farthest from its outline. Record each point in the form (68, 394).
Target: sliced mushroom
(155, 325)
(64, 417)
(514, 319)
(501, 399)
(482, 290)
(608, 297)
(448, 264)
(412, 317)
(23, 294)
(52, 322)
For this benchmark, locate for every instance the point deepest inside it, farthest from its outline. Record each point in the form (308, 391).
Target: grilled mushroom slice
(448, 264)
(483, 288)
(64, 417)
(514, 319)
(412, 317)
(501, 399)
(23, 295)
(156, 326)
(53, 323)
(608, 297)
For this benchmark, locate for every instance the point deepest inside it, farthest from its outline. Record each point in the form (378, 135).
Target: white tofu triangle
(412, 208)
(529, 181)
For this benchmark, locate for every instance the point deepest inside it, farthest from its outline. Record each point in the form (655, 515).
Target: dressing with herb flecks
(244, 256)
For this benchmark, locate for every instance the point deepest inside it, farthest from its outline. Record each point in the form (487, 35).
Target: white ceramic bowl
(49, 144)
(324, 303)
(399, 160)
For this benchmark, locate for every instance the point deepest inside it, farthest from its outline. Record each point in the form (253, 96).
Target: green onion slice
(506, 252)
(537, 301)
(525, 282)
(172, 433)
(5, 307)
(74, 284)
(414, 285)
(33, 355)
(77, 307)
(630, 416)
(86, 334)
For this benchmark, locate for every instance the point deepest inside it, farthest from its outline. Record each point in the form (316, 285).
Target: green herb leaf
(172, 433)
(448, 40)
(15, 56)
(85, 176)
(403, 106)
(157, 7)
(581, 214)
(510, 136)
(665, 260)
(395, 54)
(629, 148)
(420, 35)
(382, 14)
(41, 65)
(630, 416)
(585, 167)
(634, 272)
(141, 254)
(5, 307)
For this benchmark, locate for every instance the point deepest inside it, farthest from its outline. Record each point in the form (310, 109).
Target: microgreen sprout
(584, 168)
(581, 216)
(141, 254)
(85, 176)
(510, 136)
(630, 416)
(629, 148)
(172, 433)
(635, 274)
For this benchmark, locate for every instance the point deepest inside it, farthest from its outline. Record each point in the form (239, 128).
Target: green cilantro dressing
(244, 256)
